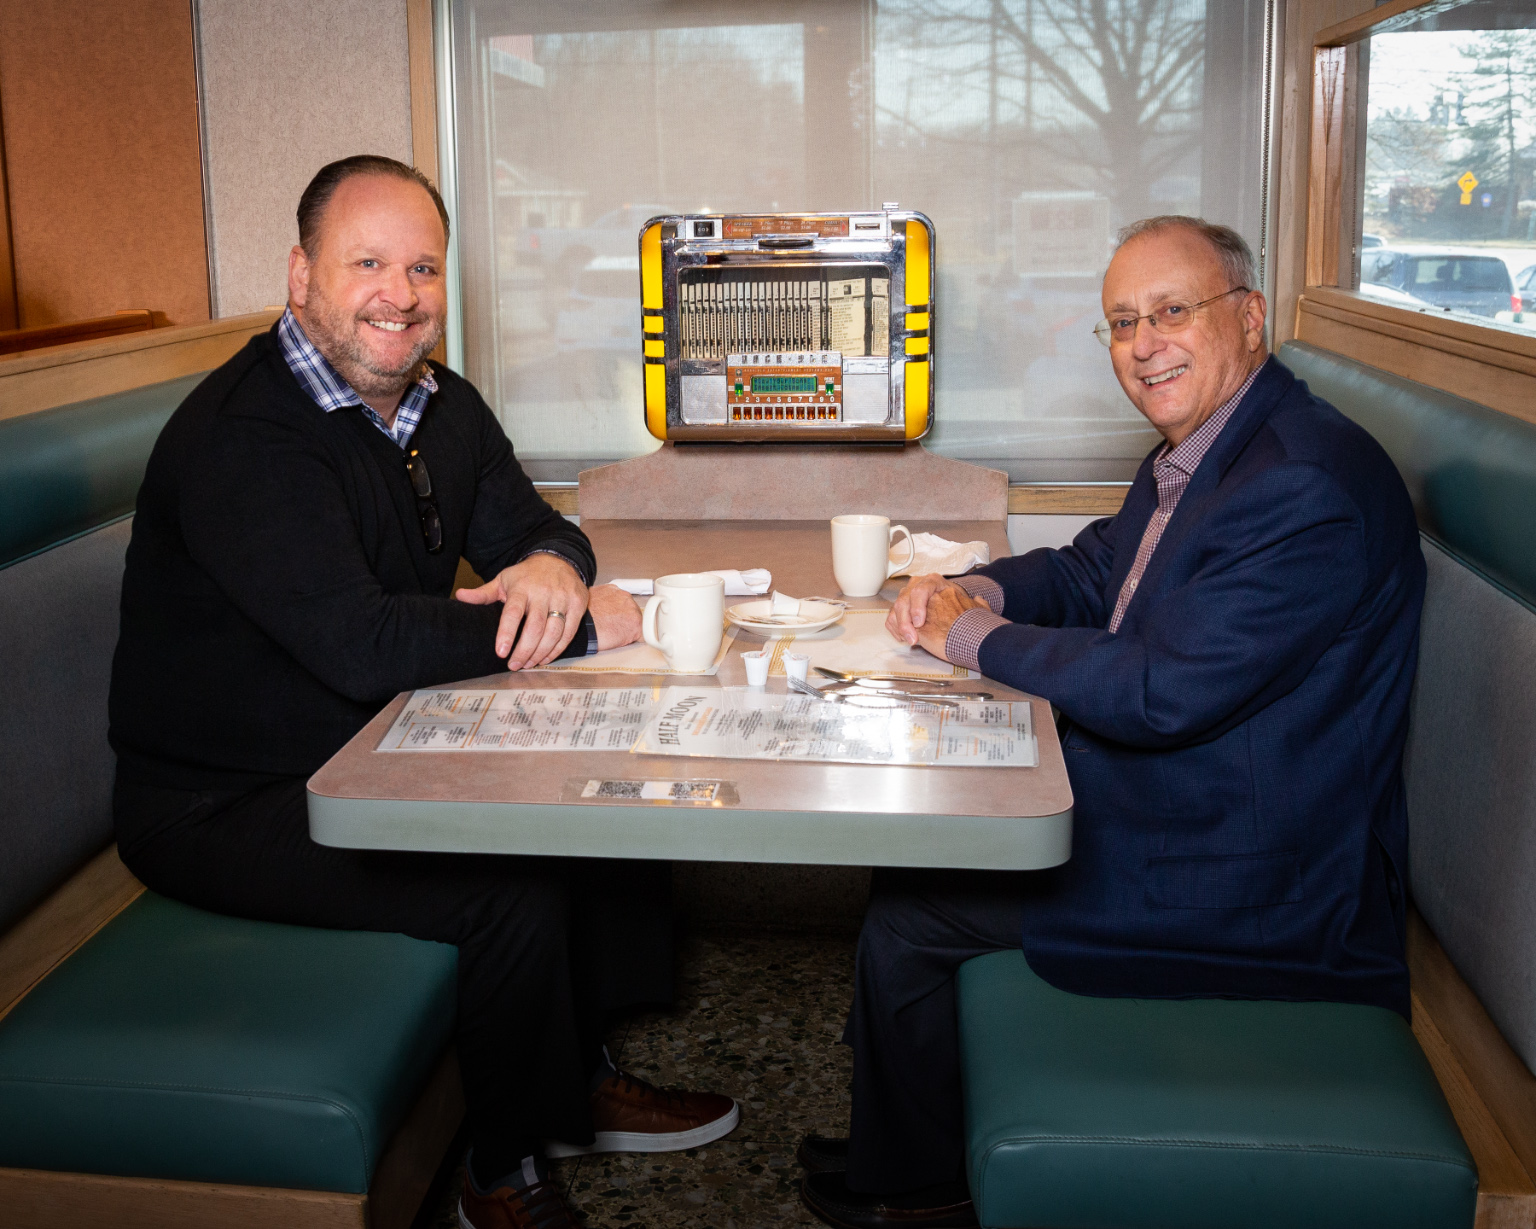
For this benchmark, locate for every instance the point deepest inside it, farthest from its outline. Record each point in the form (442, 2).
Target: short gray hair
(1231, 248)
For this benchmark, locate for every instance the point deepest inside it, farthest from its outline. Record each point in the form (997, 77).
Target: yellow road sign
(1466, 183)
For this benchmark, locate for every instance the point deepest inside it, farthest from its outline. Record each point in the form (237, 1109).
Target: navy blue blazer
(1235, 750)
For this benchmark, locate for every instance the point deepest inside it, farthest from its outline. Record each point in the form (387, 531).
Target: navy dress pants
(546, 945)
(908, 1127)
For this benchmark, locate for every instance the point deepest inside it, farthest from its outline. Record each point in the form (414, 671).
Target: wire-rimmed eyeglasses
(426, 505)
(1169, 318)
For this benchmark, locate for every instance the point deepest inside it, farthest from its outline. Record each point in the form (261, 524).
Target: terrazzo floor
(757, 1018)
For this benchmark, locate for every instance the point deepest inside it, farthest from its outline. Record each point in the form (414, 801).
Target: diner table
(528, 802)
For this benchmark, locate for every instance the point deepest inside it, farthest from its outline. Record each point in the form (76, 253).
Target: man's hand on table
(546, 595)
(616, 616)
(926, 609)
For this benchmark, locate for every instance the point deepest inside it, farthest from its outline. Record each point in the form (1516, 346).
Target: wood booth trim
(418, 31)
(41, 1199)
(1485, 364)
(1492, 1094)
(1024, 499)
(60, 375)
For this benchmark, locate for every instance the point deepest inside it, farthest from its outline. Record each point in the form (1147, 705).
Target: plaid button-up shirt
(330, 391)
(1172, 469)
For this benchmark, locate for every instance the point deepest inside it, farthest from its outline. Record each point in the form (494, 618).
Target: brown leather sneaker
(631, 1115)
(539, 1206)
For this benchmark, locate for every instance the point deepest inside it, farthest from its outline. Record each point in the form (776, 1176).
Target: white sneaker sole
(642, 1141)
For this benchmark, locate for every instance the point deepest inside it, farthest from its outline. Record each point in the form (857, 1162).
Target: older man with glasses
(1231, 657)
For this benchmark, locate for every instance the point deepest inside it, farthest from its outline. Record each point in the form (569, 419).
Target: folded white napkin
(936, 554)
(783, 604)
(737, 583)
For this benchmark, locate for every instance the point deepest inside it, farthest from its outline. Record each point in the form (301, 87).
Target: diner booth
(746, 285)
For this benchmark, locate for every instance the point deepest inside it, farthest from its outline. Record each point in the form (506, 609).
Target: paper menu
(747, 723)
(520, 719)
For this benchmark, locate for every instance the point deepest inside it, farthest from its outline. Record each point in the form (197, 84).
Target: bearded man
(291, 569)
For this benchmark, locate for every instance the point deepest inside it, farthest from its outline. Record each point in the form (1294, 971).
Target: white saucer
(758, 617)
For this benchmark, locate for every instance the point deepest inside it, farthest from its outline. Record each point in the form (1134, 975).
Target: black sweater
(278, 591)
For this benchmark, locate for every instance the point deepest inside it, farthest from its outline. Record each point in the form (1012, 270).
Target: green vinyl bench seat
(1199, 1114)
(179, 1044)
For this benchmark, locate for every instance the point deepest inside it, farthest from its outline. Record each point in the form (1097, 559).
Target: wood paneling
(1303, 18)
(1505, 1085)
(1329, 73)
(14, 341)
(418, 24)
(39, 1199)
(67, 917)
(562, 497)
(1067, 499)
(1483, 373)
(103, 159)
(1490, 1091)
(1383, 19)
(59, 375)
(1052, 500)
(9, 319)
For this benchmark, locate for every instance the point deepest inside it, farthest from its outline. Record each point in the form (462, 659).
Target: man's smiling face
(373, 298)
(1180, 379)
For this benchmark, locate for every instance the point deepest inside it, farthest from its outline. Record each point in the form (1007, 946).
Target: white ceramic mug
(685, 619)
(861, 553)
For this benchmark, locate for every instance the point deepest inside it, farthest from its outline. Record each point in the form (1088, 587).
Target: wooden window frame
(1488, 365)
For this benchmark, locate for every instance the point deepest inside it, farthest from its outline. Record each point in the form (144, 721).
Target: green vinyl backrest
(1470, 470)
(69, 478)
(66, 471)
(1468, 765)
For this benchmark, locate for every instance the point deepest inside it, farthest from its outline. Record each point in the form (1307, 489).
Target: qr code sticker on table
(653, 791)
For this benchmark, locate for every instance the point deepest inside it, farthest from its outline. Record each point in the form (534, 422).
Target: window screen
(1029, 130)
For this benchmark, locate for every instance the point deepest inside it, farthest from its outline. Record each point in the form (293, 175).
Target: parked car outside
(1525, 287)
(1449, 280)
(1369, 240)
(1390, 294)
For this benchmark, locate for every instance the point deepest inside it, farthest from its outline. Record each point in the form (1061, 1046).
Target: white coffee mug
(685, 619)
(861, 553)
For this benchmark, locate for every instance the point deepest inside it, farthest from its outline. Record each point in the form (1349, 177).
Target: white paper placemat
(859, 644)
(637, 658)
(520, 719)
(748, 723)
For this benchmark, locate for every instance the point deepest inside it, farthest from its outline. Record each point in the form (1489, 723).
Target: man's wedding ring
(557, 614)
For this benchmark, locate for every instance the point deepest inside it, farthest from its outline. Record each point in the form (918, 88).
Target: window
(1448, 223)
(1029, 130)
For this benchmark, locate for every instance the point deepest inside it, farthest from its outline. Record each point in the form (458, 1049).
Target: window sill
(1064, 499)
(1493, 366)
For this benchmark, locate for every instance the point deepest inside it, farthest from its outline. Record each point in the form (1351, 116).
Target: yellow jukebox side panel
(918, 390)
(655, 358)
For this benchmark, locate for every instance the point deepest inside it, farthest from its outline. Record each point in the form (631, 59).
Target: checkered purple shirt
(1172, 468)
(330, 391)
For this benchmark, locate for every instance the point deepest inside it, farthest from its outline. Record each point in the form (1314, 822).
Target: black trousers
(546, 945)
(922, 925)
